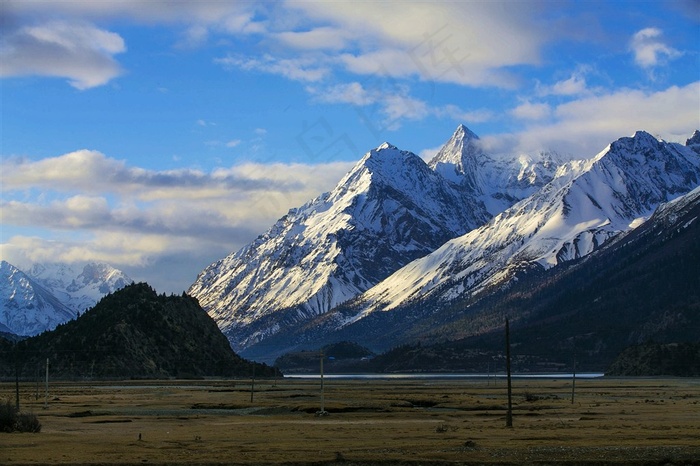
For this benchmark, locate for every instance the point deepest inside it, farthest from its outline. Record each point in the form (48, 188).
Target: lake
(553, 376)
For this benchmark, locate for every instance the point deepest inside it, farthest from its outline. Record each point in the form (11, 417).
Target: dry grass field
(387, 421)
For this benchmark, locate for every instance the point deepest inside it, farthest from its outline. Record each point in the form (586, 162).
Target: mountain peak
(385, 159)
(694, 141)
(646, 137)
(459, 158)
(464, 133)
(390, 209)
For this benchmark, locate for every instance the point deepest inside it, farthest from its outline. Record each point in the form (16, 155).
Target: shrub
(27, 422)
(12, 420)
(7, 417)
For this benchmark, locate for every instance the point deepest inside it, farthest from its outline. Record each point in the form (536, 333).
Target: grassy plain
(395, 421)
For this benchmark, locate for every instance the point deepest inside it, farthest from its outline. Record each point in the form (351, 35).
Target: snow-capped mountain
(27, 307)
(389, 209)
(79, 287)
(388, 235)
(49, 294)
(585, 204)
(497, 182)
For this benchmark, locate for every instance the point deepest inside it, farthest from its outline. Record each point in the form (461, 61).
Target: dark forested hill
(655, 359)
(132, 333)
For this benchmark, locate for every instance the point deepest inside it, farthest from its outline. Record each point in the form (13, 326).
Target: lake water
(554, 376)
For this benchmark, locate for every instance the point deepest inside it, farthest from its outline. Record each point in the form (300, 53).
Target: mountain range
(398, 233)
(642, 286)
(414, 254)
(49, 294)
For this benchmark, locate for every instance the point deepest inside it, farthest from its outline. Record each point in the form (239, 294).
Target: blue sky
(160, 136)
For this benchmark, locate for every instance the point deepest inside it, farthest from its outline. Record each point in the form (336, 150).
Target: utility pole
(46, 401)
(573, 380)
(252, 384)
(509, 415)
(322, 400)
(322, 411)
(16, 377)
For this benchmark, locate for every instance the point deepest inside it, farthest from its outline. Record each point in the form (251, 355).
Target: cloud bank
(100, 208)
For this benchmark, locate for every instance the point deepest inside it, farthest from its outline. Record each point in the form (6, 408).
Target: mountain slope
(585, 205)
(26, 307)
(642, 286)
(389, 209)
(654, 359)
(134, 332)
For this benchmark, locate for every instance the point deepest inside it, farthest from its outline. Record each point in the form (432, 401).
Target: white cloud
(531, 111)
(233, 143)
(80, 52)
(296, 69)
(464, 116)
(649, 50)
(194, 36)
(381, 104)
(428, 154)
(385, 103)
(581, 128)
(132, 217)
(575, 85)
(325, 37)
(348, 93)
(92, 172)
(60, 39)
(466, 43)
(235, 16)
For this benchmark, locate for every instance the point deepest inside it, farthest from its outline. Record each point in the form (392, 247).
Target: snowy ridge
(49, 294)
(79, 288)
(27, 307)
(583, 206)
(497, 182)
(389, 209)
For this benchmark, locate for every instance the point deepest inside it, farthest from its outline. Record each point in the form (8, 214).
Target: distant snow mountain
(27, 307)
(49, 294)
(79, 287)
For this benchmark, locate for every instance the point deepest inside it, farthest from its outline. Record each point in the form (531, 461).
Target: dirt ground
(394, 421)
